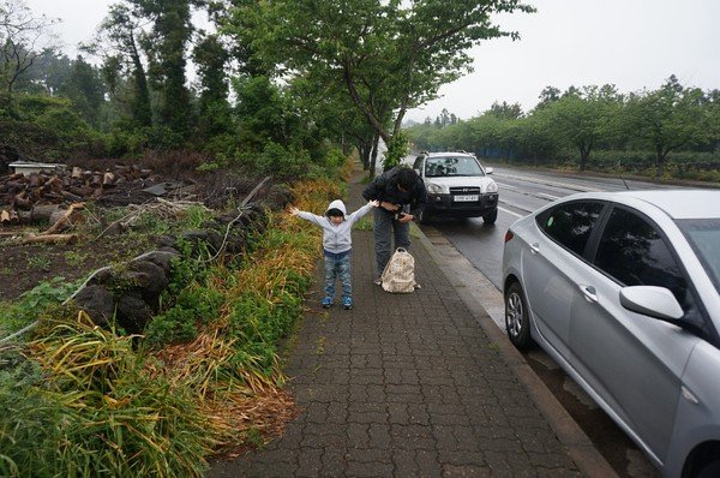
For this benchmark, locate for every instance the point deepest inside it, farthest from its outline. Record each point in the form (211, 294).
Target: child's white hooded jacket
(336, 239)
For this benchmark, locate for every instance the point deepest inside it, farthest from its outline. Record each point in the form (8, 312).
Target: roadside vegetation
(205, 380)
(669, 133)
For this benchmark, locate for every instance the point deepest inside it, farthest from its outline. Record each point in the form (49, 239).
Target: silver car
(623, 291)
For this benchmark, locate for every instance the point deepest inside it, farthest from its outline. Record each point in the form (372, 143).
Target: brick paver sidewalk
(404, 385)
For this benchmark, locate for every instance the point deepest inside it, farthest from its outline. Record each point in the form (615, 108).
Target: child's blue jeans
(337, 266)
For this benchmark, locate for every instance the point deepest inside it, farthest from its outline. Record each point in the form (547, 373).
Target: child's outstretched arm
(363, 210)
(308, 216)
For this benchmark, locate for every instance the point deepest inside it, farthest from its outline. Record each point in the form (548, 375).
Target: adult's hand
(406, 218)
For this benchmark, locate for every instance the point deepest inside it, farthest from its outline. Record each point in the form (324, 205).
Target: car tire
(517, 319)
(491, 217)
(710, 469)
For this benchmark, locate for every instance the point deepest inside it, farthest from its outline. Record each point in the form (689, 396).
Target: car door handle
(535, 248)
(589, 292)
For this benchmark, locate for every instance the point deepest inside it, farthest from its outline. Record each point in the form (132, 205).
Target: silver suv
(457, 186)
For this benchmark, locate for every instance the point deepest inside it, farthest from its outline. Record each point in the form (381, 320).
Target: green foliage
(98, 410)
(397, 150)
(35, 303)
(283, 162)
(46, 293)
(194, 304)
(389, 56)
(259, 325)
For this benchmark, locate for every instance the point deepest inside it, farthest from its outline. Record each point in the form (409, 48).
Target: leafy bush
(39, 301)
(194, 304)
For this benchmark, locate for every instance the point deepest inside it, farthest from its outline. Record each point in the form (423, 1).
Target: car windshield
(704, 236)
(452, 166)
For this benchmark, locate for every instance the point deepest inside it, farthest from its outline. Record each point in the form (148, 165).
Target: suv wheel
(491, 217)
(517, 320)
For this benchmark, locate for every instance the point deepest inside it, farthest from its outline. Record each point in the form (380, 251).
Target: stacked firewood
(20, 193)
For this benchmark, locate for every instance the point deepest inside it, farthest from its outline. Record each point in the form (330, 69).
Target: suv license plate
(470, 198)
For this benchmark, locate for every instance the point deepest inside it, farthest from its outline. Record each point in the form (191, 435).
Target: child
(337, 243)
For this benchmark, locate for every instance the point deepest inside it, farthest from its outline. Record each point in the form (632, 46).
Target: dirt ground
(23, 267)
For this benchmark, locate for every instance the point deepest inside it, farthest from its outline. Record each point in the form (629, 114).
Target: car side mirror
(488, 170)
(657, 302)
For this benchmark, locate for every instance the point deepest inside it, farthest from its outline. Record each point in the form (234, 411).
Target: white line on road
(510, 212)
(548, 196)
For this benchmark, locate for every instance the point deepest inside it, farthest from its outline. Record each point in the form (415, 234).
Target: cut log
(44, 212)
(108, 179)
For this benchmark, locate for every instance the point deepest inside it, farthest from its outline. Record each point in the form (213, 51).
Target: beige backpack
(399, 273)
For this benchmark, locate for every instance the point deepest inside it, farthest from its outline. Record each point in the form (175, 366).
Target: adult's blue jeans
(337, 266)
(387, 230)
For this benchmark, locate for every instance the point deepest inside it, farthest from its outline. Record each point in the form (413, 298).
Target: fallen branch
(46, 239)
(60, 223)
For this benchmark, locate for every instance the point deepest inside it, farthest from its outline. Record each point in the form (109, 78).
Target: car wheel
(517, 322)
(491, 217)
(711, 470)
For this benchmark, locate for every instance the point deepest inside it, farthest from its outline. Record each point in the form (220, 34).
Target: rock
(133, 313)
(97, 302)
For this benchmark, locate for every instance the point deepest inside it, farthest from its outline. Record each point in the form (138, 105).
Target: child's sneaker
(327, 302)
(347, 303)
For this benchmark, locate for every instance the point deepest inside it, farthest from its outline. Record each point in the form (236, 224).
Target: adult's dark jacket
(385, 188)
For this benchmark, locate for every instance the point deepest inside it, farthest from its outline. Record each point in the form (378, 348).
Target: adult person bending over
(402, 197)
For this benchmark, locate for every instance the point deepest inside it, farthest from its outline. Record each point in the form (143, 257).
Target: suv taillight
(509, 235)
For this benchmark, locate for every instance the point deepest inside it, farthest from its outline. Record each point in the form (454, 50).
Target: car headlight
(434, 188)
(492, 187)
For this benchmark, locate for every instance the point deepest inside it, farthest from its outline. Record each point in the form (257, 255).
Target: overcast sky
(634, 44)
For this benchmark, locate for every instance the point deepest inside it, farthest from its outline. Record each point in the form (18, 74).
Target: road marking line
(510, 212)
(548, 196)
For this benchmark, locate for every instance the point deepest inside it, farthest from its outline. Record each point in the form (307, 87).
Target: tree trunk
(374, 155)
(660, 162)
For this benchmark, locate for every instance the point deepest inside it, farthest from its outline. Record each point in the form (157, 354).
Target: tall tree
(166, 45)
(505, 110)
(668, 119)
(390, 55)
(20, 32)
(211, 59)
(84, 87)
(123, 29)
(584, 117)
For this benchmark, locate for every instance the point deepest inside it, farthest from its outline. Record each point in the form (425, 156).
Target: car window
(570, 224)
(452, 166)
(632, 251)
(704, 237)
